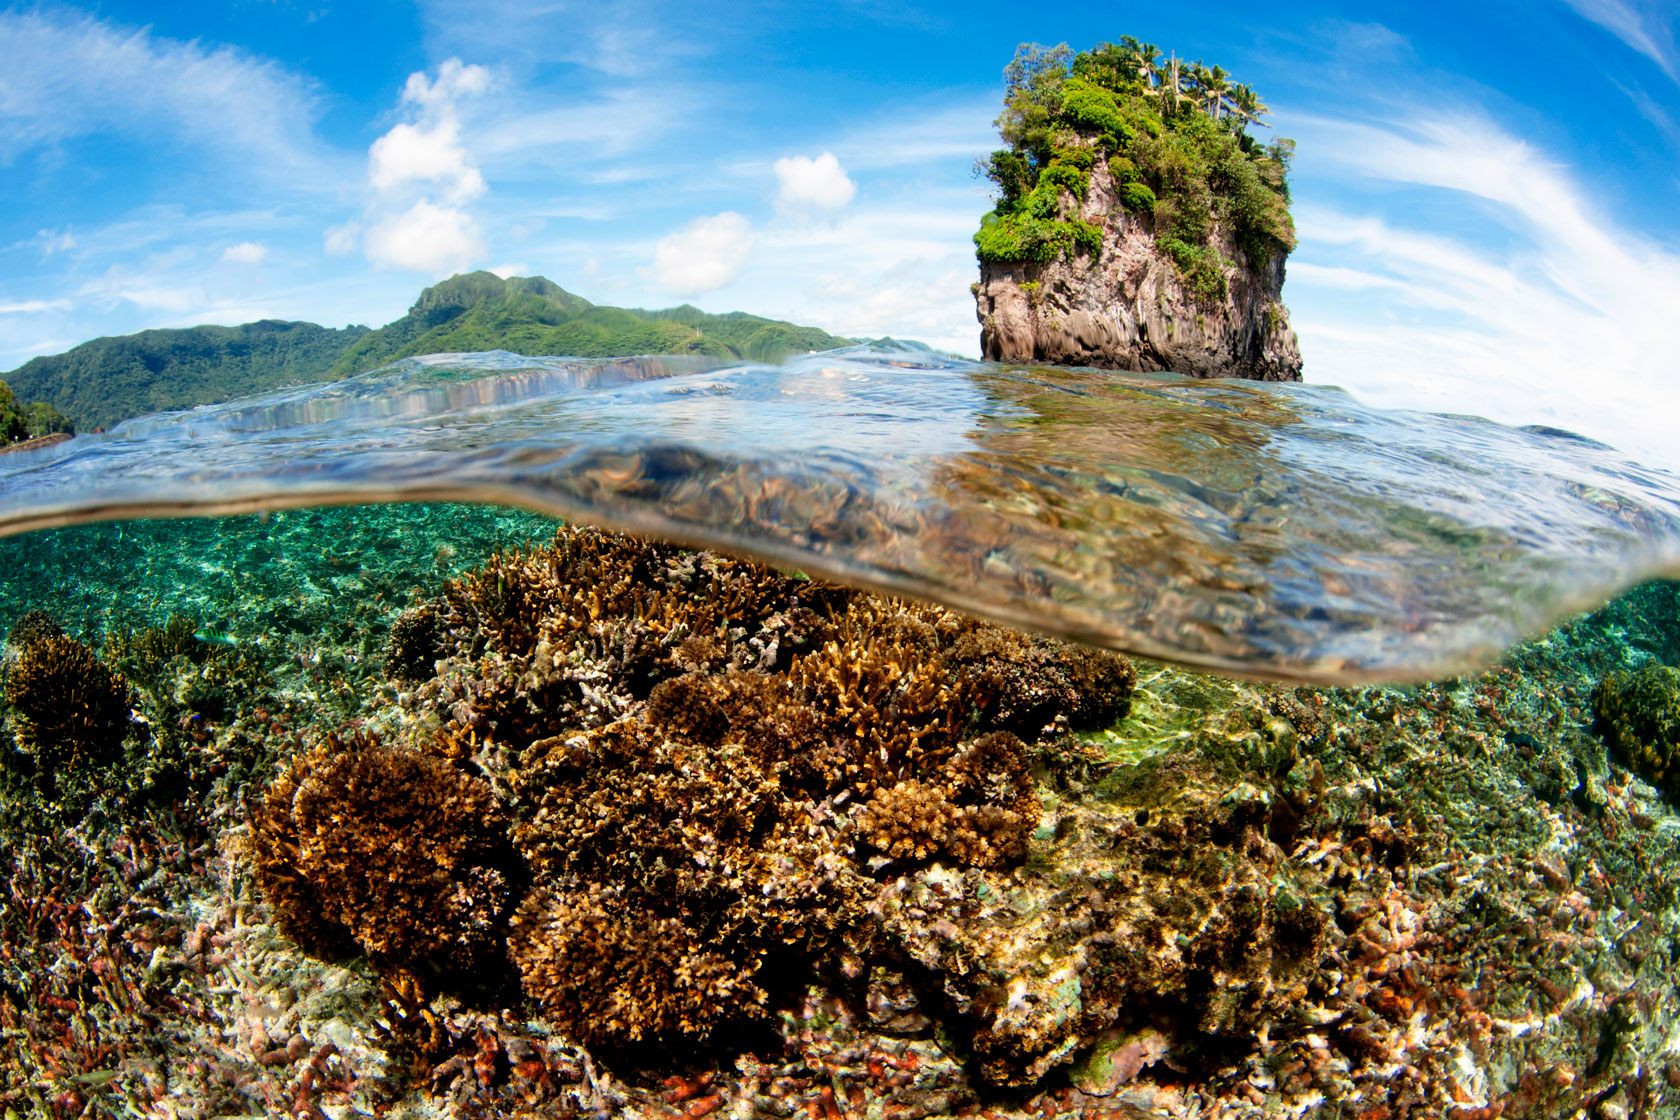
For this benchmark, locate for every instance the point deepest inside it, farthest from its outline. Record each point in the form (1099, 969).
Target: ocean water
(1368, 646)
(1278, 531)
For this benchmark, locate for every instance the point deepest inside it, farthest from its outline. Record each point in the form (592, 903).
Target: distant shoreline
(36, 443)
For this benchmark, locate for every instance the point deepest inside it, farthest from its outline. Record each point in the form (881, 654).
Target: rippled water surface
(1281, 531)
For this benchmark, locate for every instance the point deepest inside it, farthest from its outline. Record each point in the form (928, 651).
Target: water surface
(1269, 530)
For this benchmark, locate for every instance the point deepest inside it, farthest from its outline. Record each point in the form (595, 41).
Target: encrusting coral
(401, 855)
(415, 643)
(1639, 715)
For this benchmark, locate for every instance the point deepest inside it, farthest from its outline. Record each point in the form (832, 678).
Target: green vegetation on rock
(1174, 134)
(110, 379)
(1639, 715)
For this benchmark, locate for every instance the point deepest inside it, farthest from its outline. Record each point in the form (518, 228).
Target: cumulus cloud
(420, 178)
(704, 255)
(429, 150)
(246, 252)
(425, 238)
(68, 75)
(813, 184)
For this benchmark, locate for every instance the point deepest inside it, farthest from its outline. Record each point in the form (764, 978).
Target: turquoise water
(1242, 898)
(1271, 530)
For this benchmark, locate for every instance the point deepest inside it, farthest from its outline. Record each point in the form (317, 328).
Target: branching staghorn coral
(70, 710)
(701, 759)
(401, 855)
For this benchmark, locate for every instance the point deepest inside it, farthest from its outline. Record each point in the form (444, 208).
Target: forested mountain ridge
(101, 382)
(533, 315)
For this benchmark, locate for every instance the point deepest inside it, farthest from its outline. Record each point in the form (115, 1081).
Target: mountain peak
(468, 289)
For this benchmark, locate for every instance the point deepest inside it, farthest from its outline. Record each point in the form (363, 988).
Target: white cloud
(622, 38)
(33, 306)
(54, 241)
(807, 183)
(506, 270)
(704, 255)
(433, 154)
(454, 81)
(428, 150)
(1638, 23)
(1549, 313)
(69, 75)
(246, 252)
(425, 238)
(339, 240)
(420, 176)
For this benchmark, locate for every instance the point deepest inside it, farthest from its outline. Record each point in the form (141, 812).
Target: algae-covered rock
(1639, 715)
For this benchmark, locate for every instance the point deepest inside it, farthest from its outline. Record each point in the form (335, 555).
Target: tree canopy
(1175, 138)
(20, 421)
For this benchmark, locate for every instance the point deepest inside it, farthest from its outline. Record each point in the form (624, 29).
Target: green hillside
(110, 379)
(531, 315)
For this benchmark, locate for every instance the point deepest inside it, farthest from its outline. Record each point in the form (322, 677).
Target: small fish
(97, 1077)
(215, 637)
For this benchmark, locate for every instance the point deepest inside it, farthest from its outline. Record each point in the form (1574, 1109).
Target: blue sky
(1486, 193)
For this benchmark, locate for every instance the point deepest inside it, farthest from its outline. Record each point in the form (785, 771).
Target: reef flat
(575, 823)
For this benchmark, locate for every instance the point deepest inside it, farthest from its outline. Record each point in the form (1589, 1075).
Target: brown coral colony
(703, 767)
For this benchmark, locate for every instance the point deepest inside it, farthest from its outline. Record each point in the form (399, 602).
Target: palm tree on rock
(1214, 84)
(1249, 106)
(1172, 83)
(1145, 54)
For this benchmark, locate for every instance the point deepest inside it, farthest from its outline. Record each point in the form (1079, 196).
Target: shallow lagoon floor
(1499, 891)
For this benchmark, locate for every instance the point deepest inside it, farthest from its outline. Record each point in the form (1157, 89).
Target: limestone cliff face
(1127, 307)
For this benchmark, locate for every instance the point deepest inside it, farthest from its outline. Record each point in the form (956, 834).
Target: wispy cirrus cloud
(621, 38)
(69, 75)
(1533, 306)
(32, 306)
(1646, 26)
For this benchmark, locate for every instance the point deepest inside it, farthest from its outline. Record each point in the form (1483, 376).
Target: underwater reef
(614, 827)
